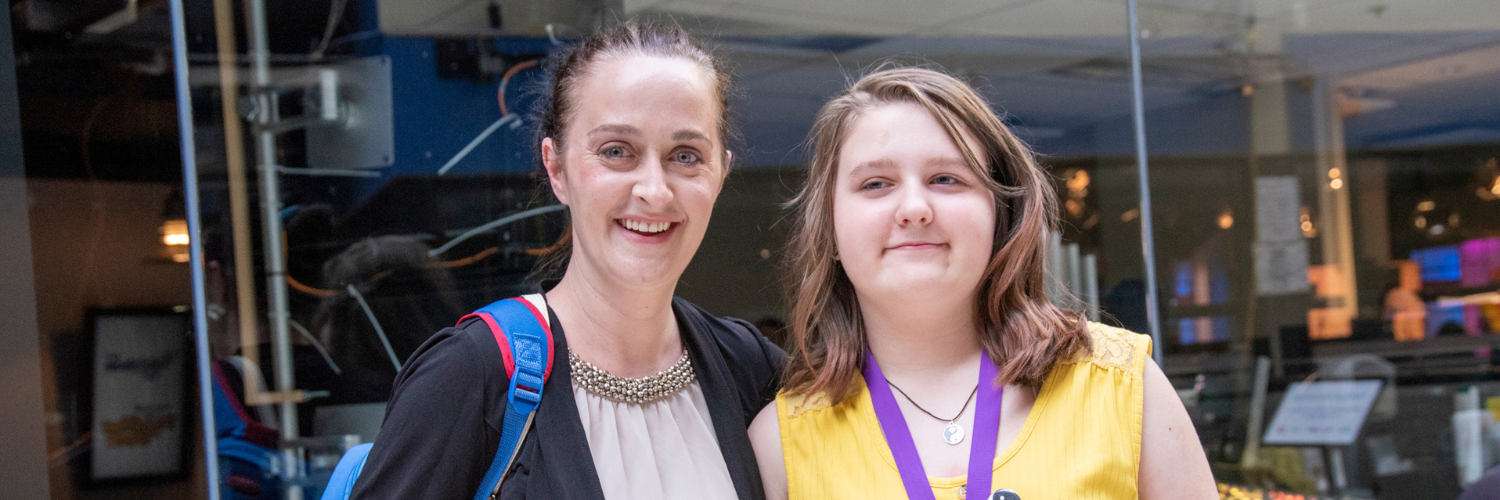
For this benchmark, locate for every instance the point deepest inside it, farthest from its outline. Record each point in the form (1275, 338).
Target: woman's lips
(645, 227)
(647, 231)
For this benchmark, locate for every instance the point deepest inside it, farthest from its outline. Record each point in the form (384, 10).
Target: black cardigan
(442, 425)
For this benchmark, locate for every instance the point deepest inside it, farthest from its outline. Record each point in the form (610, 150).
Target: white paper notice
(1322, 413)
(1281, 267)
(1278, 208)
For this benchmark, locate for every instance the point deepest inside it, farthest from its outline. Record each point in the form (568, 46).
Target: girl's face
(911, 220)
(639, 168)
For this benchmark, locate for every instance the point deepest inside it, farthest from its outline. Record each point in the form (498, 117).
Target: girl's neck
(924, 342)
(629, 331)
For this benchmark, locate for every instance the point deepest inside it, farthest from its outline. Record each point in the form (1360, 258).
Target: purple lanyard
(981, 450)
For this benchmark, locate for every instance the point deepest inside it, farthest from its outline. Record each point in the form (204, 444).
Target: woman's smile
(647, 231)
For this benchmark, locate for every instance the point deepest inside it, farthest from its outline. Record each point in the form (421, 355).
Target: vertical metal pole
(270, 194)
(1148, 244)
(1091, 285)
(23, 439)
(1257, 413)
(195, 245)
(1075, 272)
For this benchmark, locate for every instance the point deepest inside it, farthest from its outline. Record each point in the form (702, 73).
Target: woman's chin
(646, 271)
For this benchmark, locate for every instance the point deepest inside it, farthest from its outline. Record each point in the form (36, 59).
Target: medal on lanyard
(898, 436)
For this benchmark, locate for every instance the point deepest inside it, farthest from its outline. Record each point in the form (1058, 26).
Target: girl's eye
(687, 157)
(946, 179)
(874, 185)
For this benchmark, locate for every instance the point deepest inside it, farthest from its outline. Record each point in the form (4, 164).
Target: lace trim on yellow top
(1110, 348)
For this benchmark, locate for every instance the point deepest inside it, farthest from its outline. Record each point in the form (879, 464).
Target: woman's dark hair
(632, 37)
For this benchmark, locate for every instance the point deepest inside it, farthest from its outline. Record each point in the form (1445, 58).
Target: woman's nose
(651, 186)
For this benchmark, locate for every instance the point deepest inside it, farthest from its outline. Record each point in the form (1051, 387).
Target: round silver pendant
(1005, 494)
(953, 434)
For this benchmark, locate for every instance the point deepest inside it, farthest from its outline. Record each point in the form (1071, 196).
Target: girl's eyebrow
(877, 164)
(947, 161)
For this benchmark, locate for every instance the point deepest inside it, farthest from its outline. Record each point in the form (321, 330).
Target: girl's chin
(918, 287)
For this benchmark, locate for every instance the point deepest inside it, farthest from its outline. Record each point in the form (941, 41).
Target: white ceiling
(1069, 18)
(1054, 65)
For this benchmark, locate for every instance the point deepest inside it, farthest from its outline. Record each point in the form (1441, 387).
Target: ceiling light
(174, 232)
(1334, 173)
(1336, 184)
(1226, 220)
(1426, 206)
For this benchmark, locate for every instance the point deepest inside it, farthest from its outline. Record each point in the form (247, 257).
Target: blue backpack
(522, 330)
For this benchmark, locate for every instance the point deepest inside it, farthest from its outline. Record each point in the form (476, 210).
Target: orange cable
(506, 79)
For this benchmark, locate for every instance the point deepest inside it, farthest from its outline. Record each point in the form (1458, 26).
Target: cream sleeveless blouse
(665, 449)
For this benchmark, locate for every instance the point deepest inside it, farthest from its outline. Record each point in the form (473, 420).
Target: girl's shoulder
(1113, 348)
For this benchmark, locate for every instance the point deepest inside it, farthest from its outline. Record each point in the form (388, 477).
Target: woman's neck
(924, 342)
(628, 331)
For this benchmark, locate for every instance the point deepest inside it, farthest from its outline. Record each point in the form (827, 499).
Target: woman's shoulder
(463, 357)
(739, 340)
(723, 329)
(1115, 349)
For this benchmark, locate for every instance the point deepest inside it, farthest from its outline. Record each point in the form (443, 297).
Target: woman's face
(640, 167)
(910, 218)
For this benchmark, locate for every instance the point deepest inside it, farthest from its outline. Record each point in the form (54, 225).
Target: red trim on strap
(510, 363)
(546, 327)
(255, 432)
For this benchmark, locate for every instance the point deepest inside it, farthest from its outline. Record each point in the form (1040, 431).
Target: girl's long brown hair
(1024, 333)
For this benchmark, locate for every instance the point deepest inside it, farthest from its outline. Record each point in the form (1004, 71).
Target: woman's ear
(552, 161)
(724, 170)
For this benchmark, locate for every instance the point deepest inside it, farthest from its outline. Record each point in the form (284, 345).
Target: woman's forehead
(641, 90)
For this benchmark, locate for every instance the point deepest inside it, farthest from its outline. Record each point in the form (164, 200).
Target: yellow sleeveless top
(1081, 440)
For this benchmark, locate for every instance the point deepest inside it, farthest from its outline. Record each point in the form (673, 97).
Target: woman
(634, 145)
(926, 358)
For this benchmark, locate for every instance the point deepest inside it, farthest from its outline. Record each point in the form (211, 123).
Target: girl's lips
(916, 246)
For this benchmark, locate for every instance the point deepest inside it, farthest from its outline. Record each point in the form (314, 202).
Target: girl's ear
(552, 161)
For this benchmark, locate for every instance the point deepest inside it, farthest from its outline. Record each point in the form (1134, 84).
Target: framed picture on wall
(142, 363)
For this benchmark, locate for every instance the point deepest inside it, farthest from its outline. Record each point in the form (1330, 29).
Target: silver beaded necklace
(631, 390)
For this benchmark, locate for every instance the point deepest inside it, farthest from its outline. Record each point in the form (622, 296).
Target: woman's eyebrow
(689, 135)
(613, 128)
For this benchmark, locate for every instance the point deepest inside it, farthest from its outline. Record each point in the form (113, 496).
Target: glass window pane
(1322, 177)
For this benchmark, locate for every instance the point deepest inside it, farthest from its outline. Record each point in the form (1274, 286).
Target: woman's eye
(613, 152)
(687, 157)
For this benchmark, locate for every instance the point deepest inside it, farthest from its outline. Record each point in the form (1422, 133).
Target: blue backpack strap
(522, 329)
(341, 484)
(524, 334)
